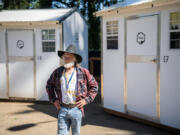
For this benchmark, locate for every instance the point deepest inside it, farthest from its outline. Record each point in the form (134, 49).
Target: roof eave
(28, 23)
(143, 6)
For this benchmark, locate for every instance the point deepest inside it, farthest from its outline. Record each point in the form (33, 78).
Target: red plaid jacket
(87, 85)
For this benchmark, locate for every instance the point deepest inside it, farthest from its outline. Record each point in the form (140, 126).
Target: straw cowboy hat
(71, 49)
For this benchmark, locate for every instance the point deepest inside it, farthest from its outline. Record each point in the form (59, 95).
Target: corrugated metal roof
(126, 3)
(34, 15)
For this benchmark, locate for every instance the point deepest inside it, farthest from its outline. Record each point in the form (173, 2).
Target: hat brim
(78, 57)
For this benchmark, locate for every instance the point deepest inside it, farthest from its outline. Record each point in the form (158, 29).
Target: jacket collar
(78, 71)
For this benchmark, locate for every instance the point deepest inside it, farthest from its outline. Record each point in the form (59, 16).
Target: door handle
(165, 59)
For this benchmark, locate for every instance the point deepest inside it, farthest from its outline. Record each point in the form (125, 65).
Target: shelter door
(21, 63)
(47, 60)
(142, 62)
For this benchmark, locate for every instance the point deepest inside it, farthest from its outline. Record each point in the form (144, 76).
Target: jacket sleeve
(92, 87)
(50, 85)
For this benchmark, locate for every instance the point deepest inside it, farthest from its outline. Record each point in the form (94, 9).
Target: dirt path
(19, 118)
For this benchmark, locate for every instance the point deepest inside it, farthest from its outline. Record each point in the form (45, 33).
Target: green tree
(16, 4)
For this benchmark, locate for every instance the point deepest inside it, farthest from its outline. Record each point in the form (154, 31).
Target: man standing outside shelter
(69, 88)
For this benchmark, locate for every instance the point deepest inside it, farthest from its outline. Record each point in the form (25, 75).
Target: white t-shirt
(69, 96)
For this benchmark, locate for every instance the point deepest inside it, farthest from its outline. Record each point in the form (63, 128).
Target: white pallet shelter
(29, 41)
(140, 60)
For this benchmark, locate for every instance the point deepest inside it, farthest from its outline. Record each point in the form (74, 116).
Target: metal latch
(154, 60)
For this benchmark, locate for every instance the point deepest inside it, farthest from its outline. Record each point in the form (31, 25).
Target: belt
(68, 105)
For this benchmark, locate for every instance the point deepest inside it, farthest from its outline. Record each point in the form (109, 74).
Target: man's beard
(68, 65)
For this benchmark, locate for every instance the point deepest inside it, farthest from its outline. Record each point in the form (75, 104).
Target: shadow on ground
(25, 126)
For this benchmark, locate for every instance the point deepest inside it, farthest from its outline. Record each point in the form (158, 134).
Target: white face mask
(68, 65)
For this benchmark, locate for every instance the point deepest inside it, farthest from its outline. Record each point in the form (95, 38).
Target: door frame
(157, 118)
(33, 59)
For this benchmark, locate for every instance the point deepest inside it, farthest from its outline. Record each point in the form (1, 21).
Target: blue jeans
(69, 117)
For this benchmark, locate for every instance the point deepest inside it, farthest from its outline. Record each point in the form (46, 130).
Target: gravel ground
(23, 118)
